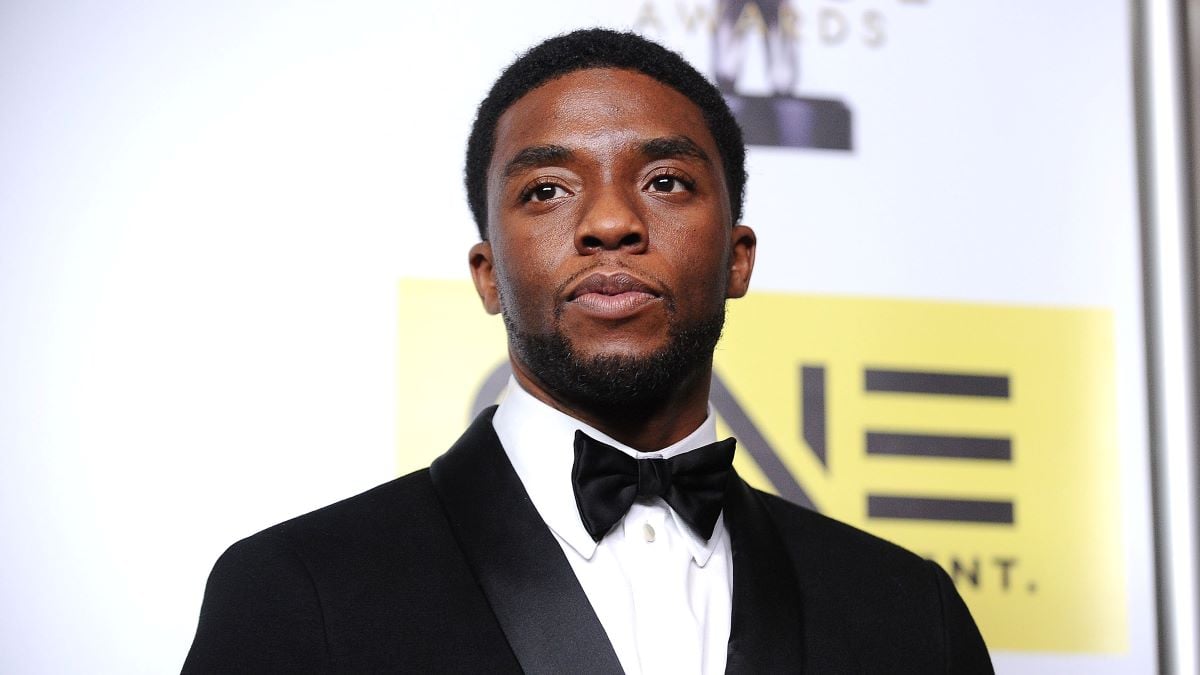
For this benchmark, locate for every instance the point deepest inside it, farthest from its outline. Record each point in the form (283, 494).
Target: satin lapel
(766, 631)
(544, 612)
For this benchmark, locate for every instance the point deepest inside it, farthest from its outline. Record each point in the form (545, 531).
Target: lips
(612, 296)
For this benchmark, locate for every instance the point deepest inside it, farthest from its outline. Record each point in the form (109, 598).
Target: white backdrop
(205, 209)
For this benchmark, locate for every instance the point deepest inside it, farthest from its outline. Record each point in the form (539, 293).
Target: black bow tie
(607, 481)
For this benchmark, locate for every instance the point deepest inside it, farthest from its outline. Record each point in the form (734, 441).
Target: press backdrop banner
(233, 289)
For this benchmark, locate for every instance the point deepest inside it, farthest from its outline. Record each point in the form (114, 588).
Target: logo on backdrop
(980, 436)
(775, 29)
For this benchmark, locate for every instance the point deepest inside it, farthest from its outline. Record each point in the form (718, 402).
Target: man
(590, 524)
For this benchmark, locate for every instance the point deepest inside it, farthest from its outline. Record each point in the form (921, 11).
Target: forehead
(585, 107)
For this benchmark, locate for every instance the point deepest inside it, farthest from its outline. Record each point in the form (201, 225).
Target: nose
(611, 222)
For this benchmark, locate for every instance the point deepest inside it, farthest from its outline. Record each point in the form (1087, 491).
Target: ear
(741, 260)
(483, 273)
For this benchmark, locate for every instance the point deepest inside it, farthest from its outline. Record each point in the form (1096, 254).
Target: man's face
(610, 237)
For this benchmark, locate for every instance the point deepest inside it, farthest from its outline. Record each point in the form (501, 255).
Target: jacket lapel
(522, 570)
(766, 630)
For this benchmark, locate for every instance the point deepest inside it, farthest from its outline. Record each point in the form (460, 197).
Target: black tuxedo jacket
(451, 569)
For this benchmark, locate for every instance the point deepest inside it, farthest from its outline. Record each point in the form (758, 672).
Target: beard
(614, 382)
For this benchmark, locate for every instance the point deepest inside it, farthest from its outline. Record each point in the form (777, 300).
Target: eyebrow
(665, 147)
(673, 146)
(535, 156)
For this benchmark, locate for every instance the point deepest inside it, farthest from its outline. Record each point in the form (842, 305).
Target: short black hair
(600, 48)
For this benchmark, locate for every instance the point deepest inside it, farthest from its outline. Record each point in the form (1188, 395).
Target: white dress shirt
(662, 593)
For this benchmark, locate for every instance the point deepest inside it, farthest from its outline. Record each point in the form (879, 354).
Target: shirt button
(648, 532)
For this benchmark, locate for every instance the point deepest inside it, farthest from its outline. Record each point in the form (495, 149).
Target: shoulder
(397, 503)
(819, 539)
(341, 528)
(848, 566)
(357, 530)
(369, 580)
(853, 578)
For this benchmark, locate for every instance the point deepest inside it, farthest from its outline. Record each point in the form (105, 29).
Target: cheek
(701, 265)
(528, 251)
(526, 286)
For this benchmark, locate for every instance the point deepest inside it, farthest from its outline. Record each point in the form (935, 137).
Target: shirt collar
(539, 442)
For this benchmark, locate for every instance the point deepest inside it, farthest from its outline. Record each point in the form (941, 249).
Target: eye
(668, 183)
(544, 192)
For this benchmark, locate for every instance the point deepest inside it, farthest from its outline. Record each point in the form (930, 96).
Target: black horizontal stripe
(934, 508)
(937, 445)
(924, 382)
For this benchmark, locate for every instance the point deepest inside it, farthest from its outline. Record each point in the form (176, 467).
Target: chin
(620, 373)
(617, 352)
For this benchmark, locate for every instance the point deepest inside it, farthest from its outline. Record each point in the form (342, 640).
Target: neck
(647, 426)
